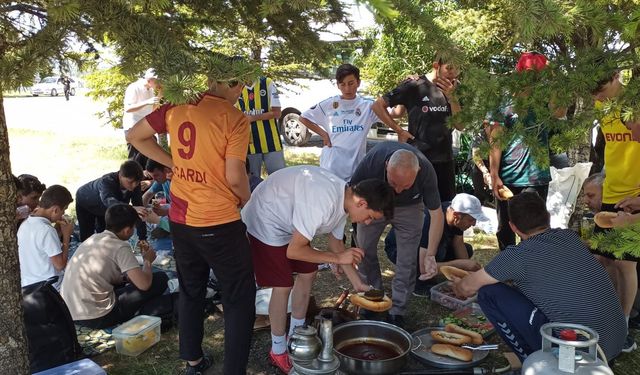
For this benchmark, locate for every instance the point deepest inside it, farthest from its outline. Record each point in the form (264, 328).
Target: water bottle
(586, 228)
(23, 212)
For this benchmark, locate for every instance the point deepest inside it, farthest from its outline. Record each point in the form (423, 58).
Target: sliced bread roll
(452, 351)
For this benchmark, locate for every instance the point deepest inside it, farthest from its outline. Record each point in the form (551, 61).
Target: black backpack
(50, 330)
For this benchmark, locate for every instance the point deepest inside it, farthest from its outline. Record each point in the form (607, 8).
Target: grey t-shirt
(424, 188)
(92, 274)
(559, 275)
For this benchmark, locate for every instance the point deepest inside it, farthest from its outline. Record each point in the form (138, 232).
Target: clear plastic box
(443, 294)
(137, 335)
(83, 366)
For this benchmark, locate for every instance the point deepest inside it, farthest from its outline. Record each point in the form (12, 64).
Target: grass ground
(59, 159)
(56, 158)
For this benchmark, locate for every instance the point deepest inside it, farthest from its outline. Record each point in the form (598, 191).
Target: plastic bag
(564, 189)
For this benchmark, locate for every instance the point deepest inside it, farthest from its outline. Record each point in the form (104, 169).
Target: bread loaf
(505, 193)
(449, 272)
(476, 338)
(603, 219)
(358, 299)
(450, 338)
(451, 351)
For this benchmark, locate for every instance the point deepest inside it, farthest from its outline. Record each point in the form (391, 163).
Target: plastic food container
(137, 335)
(83, 366)
(443, 294)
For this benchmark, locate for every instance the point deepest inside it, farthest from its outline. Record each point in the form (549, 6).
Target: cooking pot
(370, 347)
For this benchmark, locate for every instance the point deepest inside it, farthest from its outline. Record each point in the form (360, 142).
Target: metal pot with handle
(371, 348)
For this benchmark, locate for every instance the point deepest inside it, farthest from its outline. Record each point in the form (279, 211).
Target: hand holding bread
(604, 219)
(382, 304)
(451, 272)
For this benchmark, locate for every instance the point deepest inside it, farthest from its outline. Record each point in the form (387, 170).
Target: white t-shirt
(347, 122)
(305, 198)
(37, 242)
(136, 93)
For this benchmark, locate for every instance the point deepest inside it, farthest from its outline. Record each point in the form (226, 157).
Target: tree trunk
(14, 353)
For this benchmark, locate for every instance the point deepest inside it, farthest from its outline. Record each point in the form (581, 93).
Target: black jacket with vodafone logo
(428, 109)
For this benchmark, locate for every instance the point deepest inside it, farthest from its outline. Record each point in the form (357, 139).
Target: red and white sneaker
(281, 361)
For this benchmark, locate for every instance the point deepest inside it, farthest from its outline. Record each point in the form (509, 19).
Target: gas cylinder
(576, 352)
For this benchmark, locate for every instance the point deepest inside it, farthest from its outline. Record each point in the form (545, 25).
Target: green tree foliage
(619, 242)
(282, 37)
(584, 41)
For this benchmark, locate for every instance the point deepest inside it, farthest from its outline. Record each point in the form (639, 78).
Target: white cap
(150, 73)
(468, 204)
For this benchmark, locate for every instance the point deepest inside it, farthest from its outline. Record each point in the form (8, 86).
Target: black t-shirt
(556, 272)
(98, 195)
(424, 188)
(449, 232)
(428, 109)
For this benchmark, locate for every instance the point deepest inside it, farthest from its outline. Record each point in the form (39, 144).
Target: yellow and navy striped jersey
(255, 100)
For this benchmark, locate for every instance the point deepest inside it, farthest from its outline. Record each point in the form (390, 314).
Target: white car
(52, 86)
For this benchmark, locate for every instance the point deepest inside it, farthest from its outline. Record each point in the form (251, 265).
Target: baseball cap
(468, 204)
(531, 61)
(150, 73)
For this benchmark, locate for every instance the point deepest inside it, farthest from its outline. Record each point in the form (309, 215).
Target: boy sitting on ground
(42, 254)
(161, 182)
(550, 276)
(31, 190)
(94, 289)
(158, 215)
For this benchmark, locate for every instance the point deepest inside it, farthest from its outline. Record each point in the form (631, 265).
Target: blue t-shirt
(517, 165)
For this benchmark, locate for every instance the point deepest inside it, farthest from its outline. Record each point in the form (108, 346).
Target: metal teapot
(324, 362)
(304, 344)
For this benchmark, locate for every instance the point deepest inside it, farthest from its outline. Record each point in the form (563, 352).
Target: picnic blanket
(94, 341)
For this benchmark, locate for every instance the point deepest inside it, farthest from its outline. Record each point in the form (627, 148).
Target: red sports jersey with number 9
(203, 135)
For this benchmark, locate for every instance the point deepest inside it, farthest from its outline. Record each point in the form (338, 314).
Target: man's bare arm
(142, 137)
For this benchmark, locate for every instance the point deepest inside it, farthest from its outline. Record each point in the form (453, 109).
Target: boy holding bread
(622, 183)
(285, 212)
(555, 278)
(513, 168)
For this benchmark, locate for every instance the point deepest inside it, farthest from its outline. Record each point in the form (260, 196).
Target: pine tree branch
(25, 8)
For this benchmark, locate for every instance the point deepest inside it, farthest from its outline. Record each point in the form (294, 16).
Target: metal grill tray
(423, 353)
